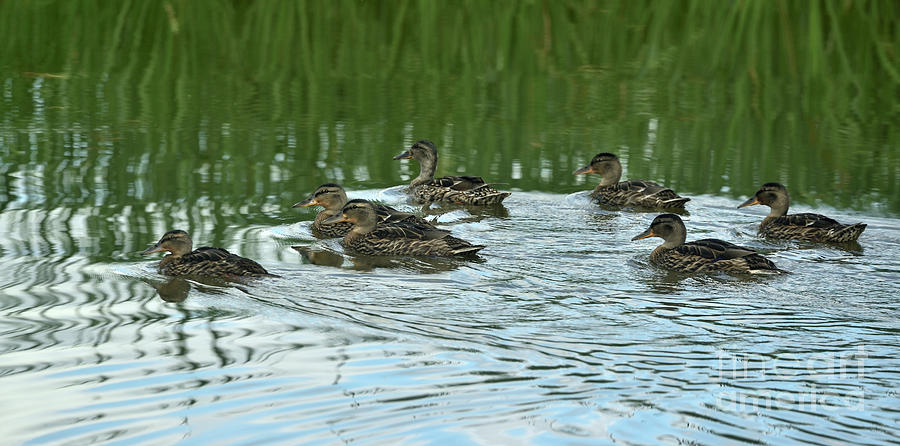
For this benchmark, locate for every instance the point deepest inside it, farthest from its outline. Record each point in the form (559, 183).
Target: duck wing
(459, 182)
(635, 185)
(387, 214)
(408, 230)
(808, 220)
(714, 249)
(459, 190)
(639, 193)
(217, 260)
(648, 192)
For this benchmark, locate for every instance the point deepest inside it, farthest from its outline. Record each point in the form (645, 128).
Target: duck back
(210, 261)
(409, 239)
(712, 255)
(811, 227)
(638, 193)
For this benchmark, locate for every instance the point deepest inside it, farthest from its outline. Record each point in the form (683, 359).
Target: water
(560, 333)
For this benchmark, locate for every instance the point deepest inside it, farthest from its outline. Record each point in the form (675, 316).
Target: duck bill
(404, 156)
(335, 219)
(584, 170)
(306, 203)
(749, 202)
(645, 234)
(152, 249)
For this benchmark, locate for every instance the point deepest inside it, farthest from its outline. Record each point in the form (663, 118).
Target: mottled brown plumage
(700, 255)
(612, 192)
(403, 238)
(451, 189)
(804, 226)
(332, 197)
(205, 261)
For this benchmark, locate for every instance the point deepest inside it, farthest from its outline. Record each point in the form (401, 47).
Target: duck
(641, 193)
(425, 188)
(369, 237)
(701, 255)
(333, 197)
(805, 226)
(204, 261)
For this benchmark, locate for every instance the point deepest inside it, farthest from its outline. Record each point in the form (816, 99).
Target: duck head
(329, 195)
(425, 153)
(773, 195)
(359, 212)
(606, 165)
(668, 227)
(176, 241)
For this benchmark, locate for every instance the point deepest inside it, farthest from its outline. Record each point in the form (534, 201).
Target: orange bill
(645, 234)
(403, 156)
(152, 249)
(749, 202)
(311, 201)
(584, 170)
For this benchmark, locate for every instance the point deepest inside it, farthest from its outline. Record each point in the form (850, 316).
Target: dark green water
(119, 122)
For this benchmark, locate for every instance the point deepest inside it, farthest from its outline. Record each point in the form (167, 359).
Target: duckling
(640, 193)
(333, 198)
(805, 226)
(453, 189)
(203, 261)
(369, 237)
(700, 255)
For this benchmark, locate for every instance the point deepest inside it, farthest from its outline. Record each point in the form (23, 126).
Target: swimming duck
(613, 192)
(203, 261)
(453, 189)
(369, 237)
(333, 198)
(700, 255)
(805, 226)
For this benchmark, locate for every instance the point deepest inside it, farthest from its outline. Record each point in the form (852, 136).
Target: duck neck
(780, 206)
(169, 258)
(363, 226)
(611, 172)
(674, 239)
(427, 167)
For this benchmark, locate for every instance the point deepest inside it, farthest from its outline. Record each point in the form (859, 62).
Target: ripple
(554, 336)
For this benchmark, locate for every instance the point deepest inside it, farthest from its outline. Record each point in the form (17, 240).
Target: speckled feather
(711, 255)
(805, 226)
(210, 262)
(332, 198)
(407, 239)
(386, 214)
(425, 188)
(458, 190)
(811, 227)
(638, 193)
(641, 193)
(700, 255)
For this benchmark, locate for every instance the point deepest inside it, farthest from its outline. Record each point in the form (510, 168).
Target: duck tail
(468, 250)
(850, 233)
(769, 271)
(493, 198)
(675, 202)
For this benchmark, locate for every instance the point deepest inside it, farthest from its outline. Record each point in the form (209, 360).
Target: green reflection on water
(250, 105)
